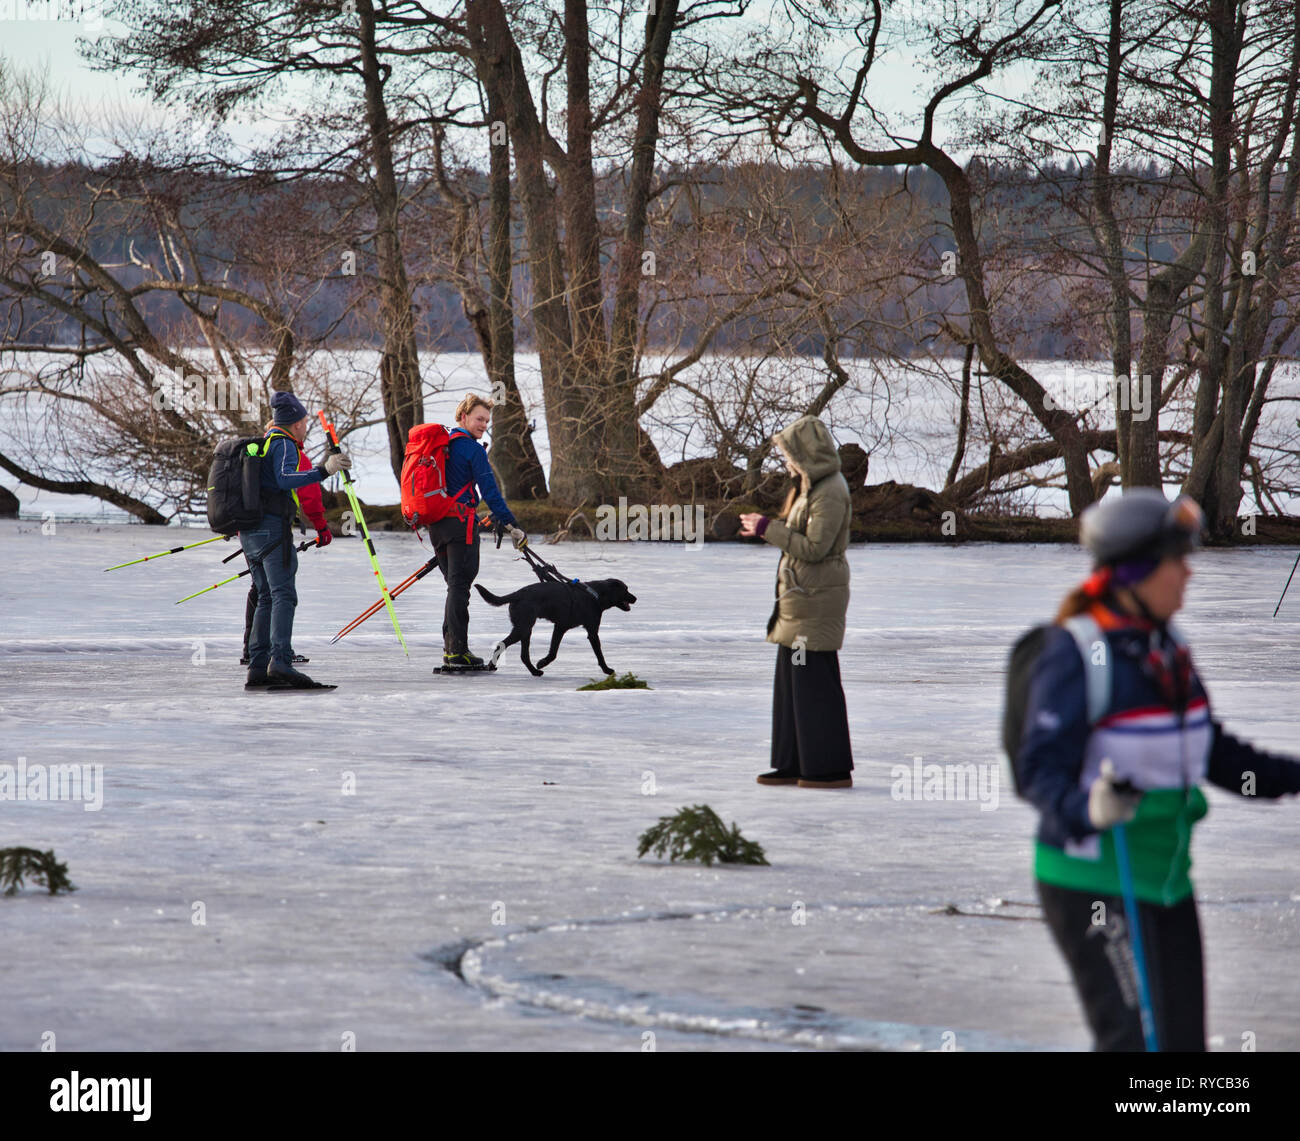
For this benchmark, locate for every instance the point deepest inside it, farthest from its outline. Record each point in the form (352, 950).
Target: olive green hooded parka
(812, 580)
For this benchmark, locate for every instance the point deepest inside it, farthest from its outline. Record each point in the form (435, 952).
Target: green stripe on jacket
(1159, 849)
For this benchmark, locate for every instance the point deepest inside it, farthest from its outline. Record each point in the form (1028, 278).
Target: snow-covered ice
(480, 889)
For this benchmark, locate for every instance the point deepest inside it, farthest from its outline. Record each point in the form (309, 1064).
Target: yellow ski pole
(365, 532)
(300, 547)
(173, 551)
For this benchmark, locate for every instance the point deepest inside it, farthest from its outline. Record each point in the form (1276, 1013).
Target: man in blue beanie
(270, 551)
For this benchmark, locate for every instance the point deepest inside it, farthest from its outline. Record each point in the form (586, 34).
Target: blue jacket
(467, 463)
(1162, 753)
(281, 477)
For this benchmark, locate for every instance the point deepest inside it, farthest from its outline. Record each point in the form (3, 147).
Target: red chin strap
(1098, 583)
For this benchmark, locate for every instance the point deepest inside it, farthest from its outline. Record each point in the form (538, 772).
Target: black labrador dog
(566, 604)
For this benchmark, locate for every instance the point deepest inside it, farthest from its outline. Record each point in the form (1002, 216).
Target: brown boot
(778, 777)
(835, 780)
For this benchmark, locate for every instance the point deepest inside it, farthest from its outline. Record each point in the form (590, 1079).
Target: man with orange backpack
(438, 461)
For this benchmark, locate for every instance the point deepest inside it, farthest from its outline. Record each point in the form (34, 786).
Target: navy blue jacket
(467, 463)
(281, 477)
(1056, 736)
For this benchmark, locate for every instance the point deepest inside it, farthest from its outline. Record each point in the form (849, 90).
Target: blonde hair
(1078, 601)
(790, 497)
(796, 474)
(471, 401)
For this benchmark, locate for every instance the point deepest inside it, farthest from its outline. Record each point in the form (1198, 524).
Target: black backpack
(235, 500)
(1020, 669)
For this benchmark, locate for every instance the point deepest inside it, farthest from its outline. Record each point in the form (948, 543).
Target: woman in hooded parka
(810, 724)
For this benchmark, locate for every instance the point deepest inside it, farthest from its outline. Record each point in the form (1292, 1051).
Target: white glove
(518, 537)
(337, 462)
(1108, 805)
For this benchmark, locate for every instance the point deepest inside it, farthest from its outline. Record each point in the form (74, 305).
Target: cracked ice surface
(519, 799)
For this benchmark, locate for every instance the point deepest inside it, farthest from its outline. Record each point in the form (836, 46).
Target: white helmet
(1140, 525)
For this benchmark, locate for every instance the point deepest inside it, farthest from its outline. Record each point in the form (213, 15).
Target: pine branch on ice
(696, 833)
(15, 863)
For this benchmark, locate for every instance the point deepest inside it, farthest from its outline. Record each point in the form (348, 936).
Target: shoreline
(1269, 530)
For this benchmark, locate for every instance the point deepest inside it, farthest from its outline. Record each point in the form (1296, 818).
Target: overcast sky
(32, 44)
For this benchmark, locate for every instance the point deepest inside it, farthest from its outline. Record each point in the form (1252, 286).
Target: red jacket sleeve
(309, 497)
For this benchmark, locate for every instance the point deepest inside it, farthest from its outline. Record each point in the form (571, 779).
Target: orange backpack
(425, 498)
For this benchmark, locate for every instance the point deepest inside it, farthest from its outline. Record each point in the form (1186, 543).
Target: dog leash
(545, 571)
(548, 573)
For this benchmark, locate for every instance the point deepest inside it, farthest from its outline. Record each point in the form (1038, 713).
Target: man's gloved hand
(1109, 803)
(518, 537)
(324, 538)
(337, 462)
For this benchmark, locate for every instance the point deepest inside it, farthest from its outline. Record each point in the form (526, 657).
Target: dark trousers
(269, 640)
(250, 608)
(810, 722)
(1100, 957)
(458, 561)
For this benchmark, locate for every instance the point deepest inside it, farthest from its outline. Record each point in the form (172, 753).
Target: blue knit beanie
(286, 409)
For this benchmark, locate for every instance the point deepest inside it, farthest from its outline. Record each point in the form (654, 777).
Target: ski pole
(365, 532)
(1288, 585)
(410, 580)
(1135, 927)
(172, 551)
(299, 547)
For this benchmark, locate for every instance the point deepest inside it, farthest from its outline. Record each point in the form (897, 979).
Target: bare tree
(217, 56)
(774, 302)
(126, 356)
(780, 93)
(616, 96)
(1196, 250)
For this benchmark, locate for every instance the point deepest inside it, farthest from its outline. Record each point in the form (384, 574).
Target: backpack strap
(291, 506)
(469, 514)
(1097, 674)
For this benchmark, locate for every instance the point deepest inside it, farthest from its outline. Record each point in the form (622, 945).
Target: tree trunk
(500, 67)
(129, 503)
(630, 273)
(399, 366)
(491, 315)
(1060, 424)
(601, 453)
(597, 449)
(963, 423)
(514, 457)
(1118, 326)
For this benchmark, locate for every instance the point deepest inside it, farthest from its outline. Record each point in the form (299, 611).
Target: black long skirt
(810, 722)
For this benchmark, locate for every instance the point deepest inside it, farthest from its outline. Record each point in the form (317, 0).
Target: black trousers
(810, 722)
(1092, 933)
(250, 608)
(458, 561)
